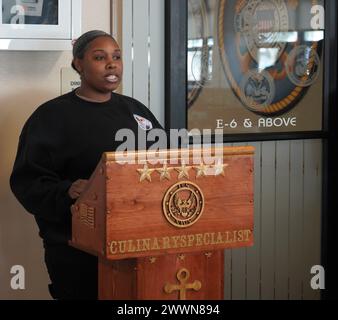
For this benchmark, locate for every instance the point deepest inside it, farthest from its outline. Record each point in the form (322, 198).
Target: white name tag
(143, 123)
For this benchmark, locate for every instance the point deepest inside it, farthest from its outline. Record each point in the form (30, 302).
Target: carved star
(145, 173)
(208, 255)
(152, 260)
(219, 168)
(183, 171)
(201, 170)
(164, 172)
(181, 257)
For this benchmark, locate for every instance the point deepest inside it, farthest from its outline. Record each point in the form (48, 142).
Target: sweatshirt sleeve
(36, 179)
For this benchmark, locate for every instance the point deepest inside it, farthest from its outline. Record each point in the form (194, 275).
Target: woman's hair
(81, 44)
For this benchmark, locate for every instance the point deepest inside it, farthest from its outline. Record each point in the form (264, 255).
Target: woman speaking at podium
(59, 148)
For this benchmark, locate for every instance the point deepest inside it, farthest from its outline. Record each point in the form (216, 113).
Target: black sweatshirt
(62, 142)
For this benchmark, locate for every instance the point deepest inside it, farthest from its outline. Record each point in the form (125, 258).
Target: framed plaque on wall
(248, 69)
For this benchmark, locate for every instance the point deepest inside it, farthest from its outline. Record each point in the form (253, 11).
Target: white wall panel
(141, 51)
(268, 215)
(296, 219)
(156, 36)
(282, 219)
(127, 47)
(312, 206)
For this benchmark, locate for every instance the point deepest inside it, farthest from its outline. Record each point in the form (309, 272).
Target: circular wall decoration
(269, 66)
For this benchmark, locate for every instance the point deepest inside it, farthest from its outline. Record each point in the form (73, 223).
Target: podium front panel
(184, 207)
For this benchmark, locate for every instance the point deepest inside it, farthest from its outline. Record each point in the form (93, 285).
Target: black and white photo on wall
(38, 19)
(30, 12)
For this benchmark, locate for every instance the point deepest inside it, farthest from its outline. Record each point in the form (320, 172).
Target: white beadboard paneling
(127, 44)
(282, 219)
(141, 51)
(312, 220)
(156, 85)
(296, 188)
(268, 210)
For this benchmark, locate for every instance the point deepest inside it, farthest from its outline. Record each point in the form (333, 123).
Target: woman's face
(101, 67)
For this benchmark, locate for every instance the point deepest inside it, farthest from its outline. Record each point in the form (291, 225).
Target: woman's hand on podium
(77, 188)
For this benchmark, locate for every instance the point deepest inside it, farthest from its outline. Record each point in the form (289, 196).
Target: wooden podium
(159, 228)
